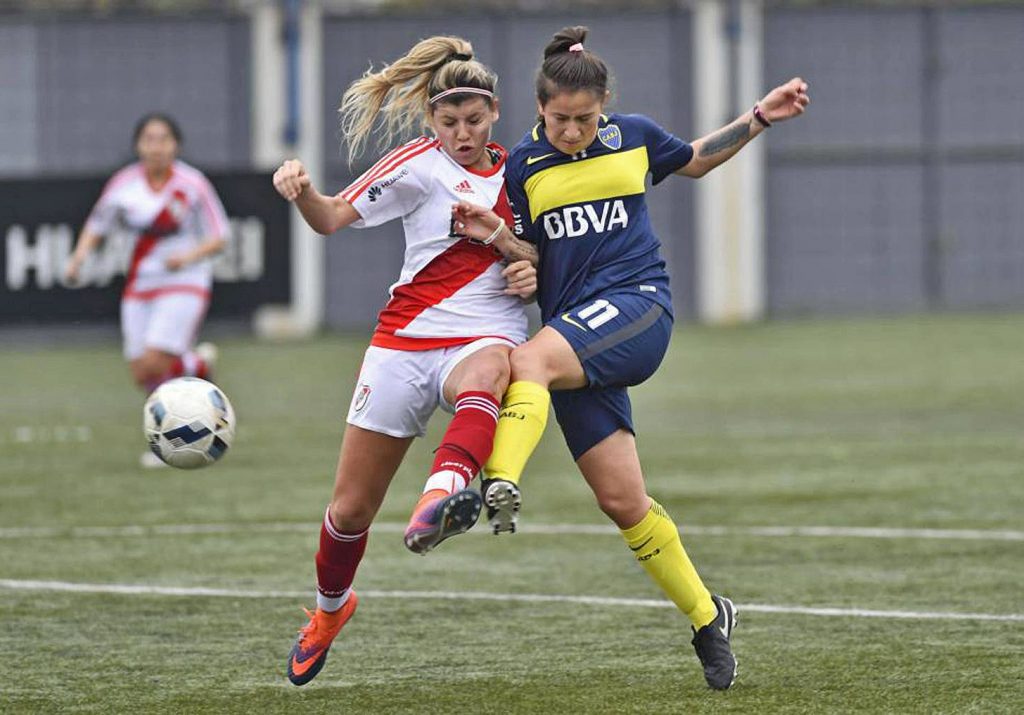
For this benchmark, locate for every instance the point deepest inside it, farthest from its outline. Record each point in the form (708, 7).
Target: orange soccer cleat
(314, 641)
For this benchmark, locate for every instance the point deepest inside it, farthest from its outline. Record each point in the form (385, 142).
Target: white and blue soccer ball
(189, 422)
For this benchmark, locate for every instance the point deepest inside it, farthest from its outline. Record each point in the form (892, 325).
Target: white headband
(459, 90)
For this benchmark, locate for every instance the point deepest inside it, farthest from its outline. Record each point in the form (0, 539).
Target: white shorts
(398, 390)
(168, 323)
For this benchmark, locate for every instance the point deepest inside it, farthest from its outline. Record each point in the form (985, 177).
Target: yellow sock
(521, 422)
(655, 543)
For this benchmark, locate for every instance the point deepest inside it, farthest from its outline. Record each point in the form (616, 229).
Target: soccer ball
(189, 422)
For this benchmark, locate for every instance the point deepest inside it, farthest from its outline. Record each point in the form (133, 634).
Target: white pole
(750, 267)
(711, 52)
(268, 86)
(730, 200)
(309, 249)
(305, 313)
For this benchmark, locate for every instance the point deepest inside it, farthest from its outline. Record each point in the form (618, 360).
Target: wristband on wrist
(494, 236)
(759, 116)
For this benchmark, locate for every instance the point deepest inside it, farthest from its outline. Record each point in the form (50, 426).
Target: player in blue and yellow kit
(576, 183)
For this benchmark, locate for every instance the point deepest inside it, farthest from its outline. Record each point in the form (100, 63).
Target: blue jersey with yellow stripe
(587, 214)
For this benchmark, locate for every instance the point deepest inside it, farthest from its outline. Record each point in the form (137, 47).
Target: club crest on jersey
(362, 395)
(610, 136)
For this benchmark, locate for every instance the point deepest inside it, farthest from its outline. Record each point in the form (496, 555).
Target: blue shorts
(620, 339)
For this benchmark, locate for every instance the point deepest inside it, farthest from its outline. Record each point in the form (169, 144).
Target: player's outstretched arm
(324, 214)
(483, 225)
(87, 242)
(784, 102)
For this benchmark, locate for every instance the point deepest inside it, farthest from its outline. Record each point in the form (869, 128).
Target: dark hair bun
(564, 39)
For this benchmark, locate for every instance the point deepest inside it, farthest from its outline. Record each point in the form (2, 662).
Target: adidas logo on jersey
(463, 187)
(576, 221)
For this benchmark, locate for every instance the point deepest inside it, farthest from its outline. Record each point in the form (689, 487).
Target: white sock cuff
(332, 603)
(337, 535)
(478, 403)
(447, 480)
(190, 363)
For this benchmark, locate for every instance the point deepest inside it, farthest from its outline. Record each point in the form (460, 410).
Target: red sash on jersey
(446, 274)
(167, 222)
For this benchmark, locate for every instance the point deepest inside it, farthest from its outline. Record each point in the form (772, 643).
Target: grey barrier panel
(18, 133)
(981, 65)
(982, 239)
(865, 71)
(78, 86)
(915, 111)
(845, 239)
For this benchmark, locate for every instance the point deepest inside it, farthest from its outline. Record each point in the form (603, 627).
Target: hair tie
(459, 56)
(578, 47)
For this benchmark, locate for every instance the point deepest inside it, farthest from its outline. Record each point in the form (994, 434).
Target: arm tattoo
(519, 250)
(726, 139)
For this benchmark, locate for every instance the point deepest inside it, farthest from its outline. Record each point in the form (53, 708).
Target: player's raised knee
(490, 374)
(529, 362)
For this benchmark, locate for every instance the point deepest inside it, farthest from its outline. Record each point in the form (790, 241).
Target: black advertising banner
(40, 220)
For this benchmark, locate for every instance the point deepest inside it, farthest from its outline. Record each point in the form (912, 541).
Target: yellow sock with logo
(521, 422)
(655, 543)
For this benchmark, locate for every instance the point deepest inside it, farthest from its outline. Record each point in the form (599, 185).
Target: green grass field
(903, 439)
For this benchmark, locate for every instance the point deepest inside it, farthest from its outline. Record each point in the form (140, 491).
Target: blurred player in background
(179, 223)
(454, 315)
(576, 183)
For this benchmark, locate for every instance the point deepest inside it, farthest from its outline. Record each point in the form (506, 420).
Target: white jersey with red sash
(167, 221)
(450, 291)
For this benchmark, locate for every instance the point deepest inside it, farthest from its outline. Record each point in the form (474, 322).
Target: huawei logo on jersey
(463, 187)
(374, 193)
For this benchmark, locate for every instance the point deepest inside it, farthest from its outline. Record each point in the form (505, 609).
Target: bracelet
(759, 116)
(494, 236)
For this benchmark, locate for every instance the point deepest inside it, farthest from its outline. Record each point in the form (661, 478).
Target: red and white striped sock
(336, 563)
(466, 444)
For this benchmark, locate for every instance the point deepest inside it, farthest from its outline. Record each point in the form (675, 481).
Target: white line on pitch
(144, 590)
(863, 532)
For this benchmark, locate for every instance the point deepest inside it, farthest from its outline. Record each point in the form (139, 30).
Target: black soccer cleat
(503, 500)
(712, 645)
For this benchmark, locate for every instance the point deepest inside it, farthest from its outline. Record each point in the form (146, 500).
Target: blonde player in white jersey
(179, 223)
(454, 315)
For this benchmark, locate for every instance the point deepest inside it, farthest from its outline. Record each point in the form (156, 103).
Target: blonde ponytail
(400, 93)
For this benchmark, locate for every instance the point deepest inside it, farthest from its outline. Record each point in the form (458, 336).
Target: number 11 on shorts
(598, 313)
